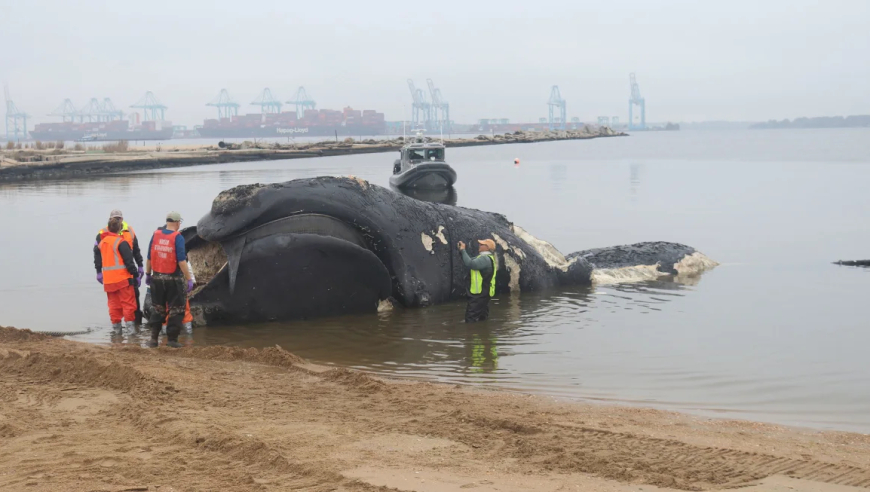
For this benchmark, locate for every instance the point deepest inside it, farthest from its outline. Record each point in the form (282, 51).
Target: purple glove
(189, 285)
(100, 277)
(141, 272)
(148, 279)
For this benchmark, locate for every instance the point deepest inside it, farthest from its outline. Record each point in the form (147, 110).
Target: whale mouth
(294, 267)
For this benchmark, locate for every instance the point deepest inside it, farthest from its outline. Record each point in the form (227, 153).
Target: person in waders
(118, 275)
(170, 283)
(129, 235)
(483, 269)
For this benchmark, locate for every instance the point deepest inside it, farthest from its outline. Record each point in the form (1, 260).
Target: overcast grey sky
(695, 60)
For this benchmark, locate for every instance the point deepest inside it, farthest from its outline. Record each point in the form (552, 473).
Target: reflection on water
(447, 196)
(634, 180)
(775, 333)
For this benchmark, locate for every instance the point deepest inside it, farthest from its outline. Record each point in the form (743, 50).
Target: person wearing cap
(118, 275)
(171, 281)
(483, 269)
(129, 235)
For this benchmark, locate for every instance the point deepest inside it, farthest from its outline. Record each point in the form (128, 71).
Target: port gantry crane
(556, 101)
(152, 109)
(302, 102)
(16, 120)
(109, 110)
(95, 111)
(636, 100)
(225, 105)
(268, 103)
(421, 113)
(67, 111)
(440, 107)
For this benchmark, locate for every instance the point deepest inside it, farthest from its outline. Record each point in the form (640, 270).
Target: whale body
(329, 246)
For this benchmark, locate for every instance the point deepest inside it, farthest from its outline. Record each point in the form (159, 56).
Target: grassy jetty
(36, 163)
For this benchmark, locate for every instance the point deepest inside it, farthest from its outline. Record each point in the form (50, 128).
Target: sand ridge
(75, 416)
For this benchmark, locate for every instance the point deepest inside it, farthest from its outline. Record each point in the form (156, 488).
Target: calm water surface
(775, 333)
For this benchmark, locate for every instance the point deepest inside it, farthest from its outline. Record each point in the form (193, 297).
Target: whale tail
(862, 263)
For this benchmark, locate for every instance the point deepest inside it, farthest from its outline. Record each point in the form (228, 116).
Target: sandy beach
(76, 416)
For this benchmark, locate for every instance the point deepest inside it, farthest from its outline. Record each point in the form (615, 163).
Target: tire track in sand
(629, 457)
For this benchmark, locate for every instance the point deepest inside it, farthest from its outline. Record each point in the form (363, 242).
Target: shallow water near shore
(776, 333)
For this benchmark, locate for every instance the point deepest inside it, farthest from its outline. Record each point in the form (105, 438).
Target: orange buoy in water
(517, 161)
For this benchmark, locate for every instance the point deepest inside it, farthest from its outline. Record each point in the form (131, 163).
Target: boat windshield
(416, 154)
(435, 154)
(425, 155)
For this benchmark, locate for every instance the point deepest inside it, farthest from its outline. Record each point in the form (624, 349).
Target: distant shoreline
(854, 121)
(18, 165)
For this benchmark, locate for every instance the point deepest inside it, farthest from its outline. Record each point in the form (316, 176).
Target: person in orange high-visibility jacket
(118, 274)
(129, 235)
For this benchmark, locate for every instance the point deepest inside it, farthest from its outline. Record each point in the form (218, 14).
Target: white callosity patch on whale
(440, 235)
(511, 264)
(501, 242)
(363, 183)
(384, 305)
(624, 275)
(427, 241)
(694, 264)
(547, 251)
(514, 268)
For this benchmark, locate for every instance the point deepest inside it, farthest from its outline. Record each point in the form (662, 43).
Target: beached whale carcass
(326, 246)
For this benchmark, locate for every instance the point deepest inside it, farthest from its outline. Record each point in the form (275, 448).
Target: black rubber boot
(152, 343)
(174, 344)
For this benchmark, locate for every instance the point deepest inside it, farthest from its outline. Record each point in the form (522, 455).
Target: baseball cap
(173, 217)
(116, 213)
(488, 242)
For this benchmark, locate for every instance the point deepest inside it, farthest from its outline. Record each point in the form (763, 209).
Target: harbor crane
(152, 109)
(302, 102)
(110, 111)
(268, 103)
(556, 101)
(440, 107)
(225, 105)
(67, 111)
(93, 111)
(16, 120)
(421, 113)
(636, 101)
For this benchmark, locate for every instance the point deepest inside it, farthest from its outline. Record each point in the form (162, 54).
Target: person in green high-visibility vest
(482, 286)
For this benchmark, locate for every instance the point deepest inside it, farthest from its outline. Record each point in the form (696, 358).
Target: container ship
(102, 131)
(313, 123)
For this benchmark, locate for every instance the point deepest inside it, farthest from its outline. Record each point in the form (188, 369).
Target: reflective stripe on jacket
(477, 279)
(114, 269)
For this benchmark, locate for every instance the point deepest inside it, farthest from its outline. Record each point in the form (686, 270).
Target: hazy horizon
(741, 61)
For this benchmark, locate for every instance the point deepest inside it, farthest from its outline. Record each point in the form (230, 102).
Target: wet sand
(76, 416)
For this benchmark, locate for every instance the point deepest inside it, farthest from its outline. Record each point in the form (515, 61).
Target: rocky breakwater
(28, 164)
